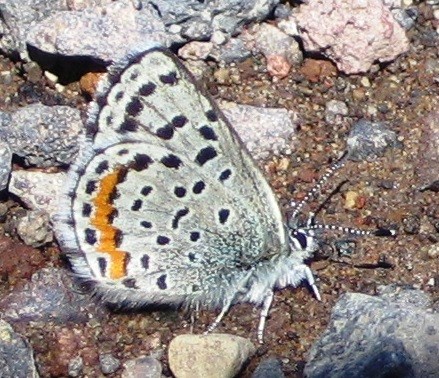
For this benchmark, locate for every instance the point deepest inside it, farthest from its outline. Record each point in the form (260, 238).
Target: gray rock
(199, 20)
(282, 11)
(38, 190)
(214, 355)
(109, 364)
(76, 365)
(18, 17)
(34, 228)
(335, 111)
(406, 17)
(5, 164)
(233, 51)
(49, 296)
(269, 368)
(369, 140)
(270, 40)
(264, 131)
(144, 366)
(394, 334)
(44, 136)
(16, 356)
(100, 32)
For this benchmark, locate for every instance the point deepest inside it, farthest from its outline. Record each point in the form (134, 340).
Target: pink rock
(281, 50)
(278, 66)
(354, 34)
(196, 50)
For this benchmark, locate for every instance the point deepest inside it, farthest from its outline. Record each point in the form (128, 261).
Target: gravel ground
(402, 94)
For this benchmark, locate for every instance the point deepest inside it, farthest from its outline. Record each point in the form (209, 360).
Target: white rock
(213, 355)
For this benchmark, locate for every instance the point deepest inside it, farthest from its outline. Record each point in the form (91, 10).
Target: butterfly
(165, 206)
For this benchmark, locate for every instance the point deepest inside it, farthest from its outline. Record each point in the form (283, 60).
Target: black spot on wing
(205, 154)
(130, 283)
(198, 187)
(179, 121)
(179, 191)
(118, 238)
(147, 89)
(141, 162)
(90, 236)
(192, 257)
(146, 190)
(114, 214)
(207, 133)
(146, 224)
(119, 96)
(134, 107)
(134, 75)
(170, 78)
(86, 210)
(102, 167)
(145, 261)
(90, 187)
(128, 125)
(171, 161)
(211, 116)
(161, 282)
(194, 236)
(225, 174)
(166, 132)
(178, 216)
(223, 215)
(163, 240)
(137, 205)
(114, 195)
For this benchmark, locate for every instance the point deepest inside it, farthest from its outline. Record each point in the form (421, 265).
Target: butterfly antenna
(298, 206)
(310, 225)
(352, 231)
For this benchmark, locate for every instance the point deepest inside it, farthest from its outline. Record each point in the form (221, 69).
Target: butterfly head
(302, 240)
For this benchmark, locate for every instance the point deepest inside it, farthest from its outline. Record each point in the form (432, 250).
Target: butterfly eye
(301, 238)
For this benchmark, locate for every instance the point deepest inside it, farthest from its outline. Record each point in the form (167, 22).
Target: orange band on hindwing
(104, 208)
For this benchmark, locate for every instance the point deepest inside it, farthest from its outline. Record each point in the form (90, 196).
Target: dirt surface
(402, 94)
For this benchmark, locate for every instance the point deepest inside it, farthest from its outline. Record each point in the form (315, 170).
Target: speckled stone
(213, 355)
(394, 334)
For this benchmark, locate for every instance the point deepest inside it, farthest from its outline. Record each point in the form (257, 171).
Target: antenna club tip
(384, 232)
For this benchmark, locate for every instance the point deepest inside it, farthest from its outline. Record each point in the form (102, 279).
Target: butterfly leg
(218, 319)
(266, 305)
(309, 278)
(241, 288)
(194, 315)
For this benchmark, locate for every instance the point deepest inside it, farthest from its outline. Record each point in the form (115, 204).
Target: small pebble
(411, 224)
(75, 367)
(109, 364)
(433, 251)
(350, 199)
